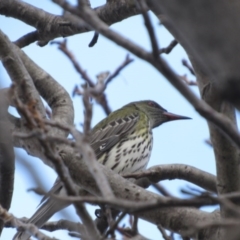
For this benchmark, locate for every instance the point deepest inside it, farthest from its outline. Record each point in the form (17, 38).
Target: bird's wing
(105, 138)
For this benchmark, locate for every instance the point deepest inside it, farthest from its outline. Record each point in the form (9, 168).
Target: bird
(122, 141)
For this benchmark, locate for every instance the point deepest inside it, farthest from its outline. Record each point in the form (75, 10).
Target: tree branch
(7, 157)
(178, 171)
(49, 26)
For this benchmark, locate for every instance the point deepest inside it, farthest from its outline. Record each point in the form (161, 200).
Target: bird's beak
(172, 116)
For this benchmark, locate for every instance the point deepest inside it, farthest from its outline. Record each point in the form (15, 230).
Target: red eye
(152, 104)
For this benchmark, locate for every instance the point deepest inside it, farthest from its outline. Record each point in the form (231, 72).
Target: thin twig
(92, 88)
(94, 40)
(169, 48)
(162, 189)
(187, 81)
(127, 61)
(150, 29)
(64, 225)
(135, 224)
(163, 232)
(87, 113)
(63, 47)
(208, 142)
(186, 64)
(115, 224)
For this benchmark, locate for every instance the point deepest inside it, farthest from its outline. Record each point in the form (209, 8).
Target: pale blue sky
(175, 142)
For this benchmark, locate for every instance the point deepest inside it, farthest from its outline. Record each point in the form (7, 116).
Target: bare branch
(186, 64)
(187, 81)
(63, 47)
(141, 206)
(150, 29)
(169, 48)
(163, 232)
(94, 40)
(127, 61)
(61, 26)
(19, 75)
(63, 224)
(178, 171)
(115, 224)
(159, 187)
(7, 157)
(27, 39)
(14, 222)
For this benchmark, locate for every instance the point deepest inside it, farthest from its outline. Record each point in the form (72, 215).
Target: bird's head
(156, 113)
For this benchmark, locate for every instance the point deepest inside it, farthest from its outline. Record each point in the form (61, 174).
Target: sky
(174, 142)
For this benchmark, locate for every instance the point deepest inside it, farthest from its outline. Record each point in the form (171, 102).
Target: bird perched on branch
(122, 142)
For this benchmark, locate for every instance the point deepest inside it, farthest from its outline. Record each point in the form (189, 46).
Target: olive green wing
(111, 133)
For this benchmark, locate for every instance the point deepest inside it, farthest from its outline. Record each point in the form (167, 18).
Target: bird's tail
(44, 212)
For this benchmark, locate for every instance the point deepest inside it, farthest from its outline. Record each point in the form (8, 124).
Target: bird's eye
(152, 104)
(155, 105)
